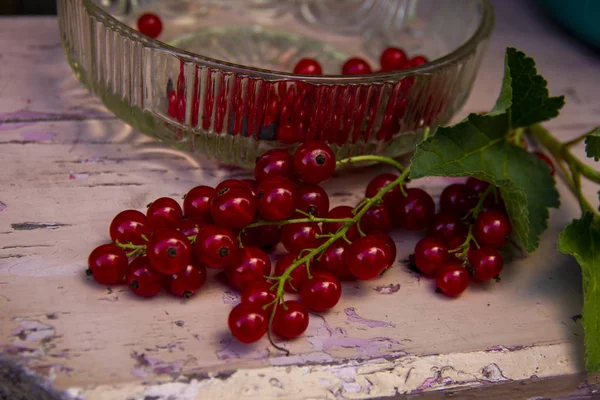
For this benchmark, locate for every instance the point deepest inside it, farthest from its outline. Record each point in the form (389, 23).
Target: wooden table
(68, 166)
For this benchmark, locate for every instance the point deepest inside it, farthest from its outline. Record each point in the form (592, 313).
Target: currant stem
(381, 159)
(578, 139)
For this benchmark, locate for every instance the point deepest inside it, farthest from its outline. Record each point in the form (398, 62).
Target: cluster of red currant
(391, 59)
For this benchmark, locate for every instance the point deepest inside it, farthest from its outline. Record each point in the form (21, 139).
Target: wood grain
(69, 166)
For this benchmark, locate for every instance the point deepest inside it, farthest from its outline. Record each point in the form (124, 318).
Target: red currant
(389, 242)
(252, 184)
(300, 236)
(340, 212)
(487, 263)
(233, 207)
(150, 25)
(446, 226)
(196, 204)
(308, 66)
(430, 255)
(312, 199)
(230, 184)
(261, 236)
(188, 281)
(393, 59)
(476, 186)
(333, 260)
(291, 319)
(452, 279)
(276, 198)
(314, 162)
(415, 211)
(249, 264)
(356, 66)
(297, 277)
(164, 213)
(376, 219)
(368, 257)
(457, 199)
(274, 162)
(418, 60)
(321, 292)
(215, 246)
(169, 251)
(547, 160)
(142, 279)
(259, 293)
(391, 198)
(190, 228)
(108, 264)
(248, 323)
(129, 226)
(492, 228)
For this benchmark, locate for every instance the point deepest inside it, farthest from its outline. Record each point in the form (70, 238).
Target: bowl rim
(483, 31)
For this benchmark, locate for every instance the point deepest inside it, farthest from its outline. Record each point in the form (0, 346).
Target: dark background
(10, 7)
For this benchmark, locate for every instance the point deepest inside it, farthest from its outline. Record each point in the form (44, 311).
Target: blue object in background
(581, 17)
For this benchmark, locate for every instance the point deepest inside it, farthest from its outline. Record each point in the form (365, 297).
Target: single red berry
(164, 213)
(142, 279)
(173, 107)
(368, 256)
(321, 292)
(356, 66)
(275, 198)
(547, 160)
(340, 212)
(452, 279)
(190, 228)
(415, 211)
(308, 66)
(215, 246)
(196, 204)
(150, 25)
(312, 199)
(314, 162)
(446, 226)
(390, 244)
(169, 251)
(230, 184)
(108, 264)
(188, 281)
(249, 264)
(418, 60)
(129, 226)
(261, 236)
(259, 293)
(233, 207)
(252, 185)
(487, 263)
(248, 323)
(291, 319)
(476, 186)
(333, 260)
(492, 228)
(393, 59)
(457, 199)
(430, 255)
(300, 236)
(274, 162)
(391, 198)
(376, 219)
(297, 277)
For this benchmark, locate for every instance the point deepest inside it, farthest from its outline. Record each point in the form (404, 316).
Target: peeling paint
(230, 297)
(82, 175)
(388, 289)
(2, 206)
(232, 349)
(353, 316)
(92, 160)
(37, 136)
(301, 359)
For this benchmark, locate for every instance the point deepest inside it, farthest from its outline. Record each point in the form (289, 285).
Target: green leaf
(592, 144)
(478, 147)
(525, 93)
(581, 239)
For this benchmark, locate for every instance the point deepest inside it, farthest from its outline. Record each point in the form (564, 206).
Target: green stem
(578, 139)
(381, 159)
(298, 221)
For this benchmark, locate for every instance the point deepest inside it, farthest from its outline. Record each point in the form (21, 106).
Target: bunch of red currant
(391, 59)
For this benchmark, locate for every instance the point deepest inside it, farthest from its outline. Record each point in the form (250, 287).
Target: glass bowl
(218, 82)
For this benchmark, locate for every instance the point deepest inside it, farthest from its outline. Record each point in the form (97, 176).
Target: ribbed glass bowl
(229, 63)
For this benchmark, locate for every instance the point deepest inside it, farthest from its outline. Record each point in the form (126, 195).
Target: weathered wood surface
(69, 166)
